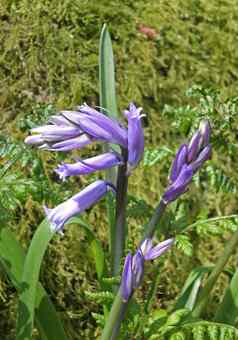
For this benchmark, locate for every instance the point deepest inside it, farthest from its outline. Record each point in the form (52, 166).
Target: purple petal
(194, 146)
(69, 144)
(178, 163)
(135, 136)
(60, 120)
(98, 125)
(76, 204)
(54, 133)
(159, 249)
(137, 268)
(205, 130)
(104, 161)
(178, 187)
(126, 287)
(204, 155)
(35, 140)
(146, 245)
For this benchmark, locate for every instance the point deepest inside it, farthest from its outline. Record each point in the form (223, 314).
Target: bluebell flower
(61, 135)
(97, 125)
(76, 204)
(75, 129)
(135, 136)
(188, 160)
(90, 165)
(133, 270)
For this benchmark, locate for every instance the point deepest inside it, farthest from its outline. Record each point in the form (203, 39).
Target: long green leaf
(12, 259)
(107, 75)
(228, 310)
(108, 104)
(29, 283)
(191, 288)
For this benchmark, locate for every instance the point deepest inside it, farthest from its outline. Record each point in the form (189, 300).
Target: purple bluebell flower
(59, 135)
(180, 185)
(188, 161)
(135, 136)
(98, 125)
(133, 270)
(87, 166)
(76, 204)
(75, 129)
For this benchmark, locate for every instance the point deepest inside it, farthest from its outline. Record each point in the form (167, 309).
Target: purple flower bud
(204, 155)
(137, 268)
(154, 252)
(205, 130)
(194, 146)
(133, 271)
(104, 161)
(180, 185)
(76, 204)
(178, 163)
(98, 125)
(135, 136)
(126, 287)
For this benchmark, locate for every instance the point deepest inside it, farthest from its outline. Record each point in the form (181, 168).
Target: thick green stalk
(203, 298)
(112, 328)
(119, 232)
(113, 323)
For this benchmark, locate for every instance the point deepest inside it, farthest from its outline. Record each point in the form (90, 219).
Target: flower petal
(159, 249)
(126, 287)
(104, 161)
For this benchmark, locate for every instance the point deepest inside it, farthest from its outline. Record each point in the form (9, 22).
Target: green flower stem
(203, 298)
(116, 316)
(117, 313)
(152, 225)
(119, 232)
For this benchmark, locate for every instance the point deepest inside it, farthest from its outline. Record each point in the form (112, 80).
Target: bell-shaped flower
(98, 125)
(180, 185)
(188, 160)
(76, 204)
(133, 270)
(59, 135)
(135, 136)
(90, 165)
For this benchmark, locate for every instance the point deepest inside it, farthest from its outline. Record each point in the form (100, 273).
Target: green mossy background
(49, 56)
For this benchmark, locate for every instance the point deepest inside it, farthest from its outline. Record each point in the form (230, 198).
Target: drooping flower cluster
(76, 129)
(189, 159)
(133, 270)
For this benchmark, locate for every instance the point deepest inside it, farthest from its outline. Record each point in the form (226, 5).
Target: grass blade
(191, 288)
(228, 310)
(29, 282)
(12, 259)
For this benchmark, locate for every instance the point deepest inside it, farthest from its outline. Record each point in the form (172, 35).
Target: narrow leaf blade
(29, 282)
(12, 259)
(228, 310)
